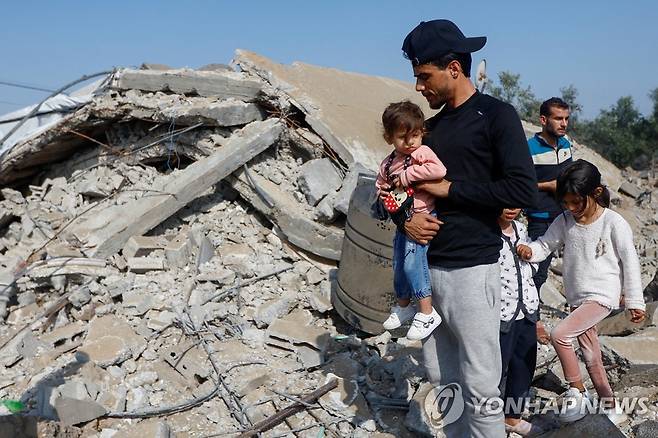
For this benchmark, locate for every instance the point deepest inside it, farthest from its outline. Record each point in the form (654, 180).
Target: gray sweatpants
(465, 348)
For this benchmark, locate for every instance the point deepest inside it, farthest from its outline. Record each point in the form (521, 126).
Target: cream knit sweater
(600, 261)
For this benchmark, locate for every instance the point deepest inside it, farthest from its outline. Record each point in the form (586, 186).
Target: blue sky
(607, 49)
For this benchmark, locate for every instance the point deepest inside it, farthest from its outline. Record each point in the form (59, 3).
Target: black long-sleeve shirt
(482, 144)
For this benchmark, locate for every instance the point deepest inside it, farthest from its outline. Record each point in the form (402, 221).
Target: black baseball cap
(432, 39)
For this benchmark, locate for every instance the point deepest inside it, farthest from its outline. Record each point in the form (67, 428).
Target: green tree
(510, 90)
(619, 133)
(570, 95)
(653, 95)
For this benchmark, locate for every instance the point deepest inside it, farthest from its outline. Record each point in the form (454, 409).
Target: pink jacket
(424, 166)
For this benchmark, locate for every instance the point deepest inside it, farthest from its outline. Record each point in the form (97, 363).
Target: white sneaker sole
(424, 333)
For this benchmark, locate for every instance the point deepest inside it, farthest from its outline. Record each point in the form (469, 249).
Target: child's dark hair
(402, 116)
(582, 178)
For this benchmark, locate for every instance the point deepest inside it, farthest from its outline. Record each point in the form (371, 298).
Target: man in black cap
(482, 144)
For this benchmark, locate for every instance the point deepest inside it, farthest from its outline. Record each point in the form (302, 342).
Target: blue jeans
(411, 272)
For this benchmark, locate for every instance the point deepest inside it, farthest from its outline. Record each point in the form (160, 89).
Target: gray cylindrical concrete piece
(364, 290)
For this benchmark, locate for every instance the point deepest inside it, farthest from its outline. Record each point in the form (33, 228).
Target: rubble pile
(169, 252)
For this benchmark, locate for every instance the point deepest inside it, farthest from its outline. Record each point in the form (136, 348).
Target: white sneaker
(399, 315)
(423, 325)
(573, 405)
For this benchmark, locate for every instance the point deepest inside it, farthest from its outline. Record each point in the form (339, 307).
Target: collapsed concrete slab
(185, 81)
(184, 110)
(638, 348)
(343, 108)
(106, 234)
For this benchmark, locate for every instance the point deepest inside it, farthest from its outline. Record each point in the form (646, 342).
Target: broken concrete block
(12, 195)
(159, 320)
(342, 199)
(638, 348)
(80, 297)
(140, 265)
(630, 189)
(105, 234)
(111, 341)
(29, 346)
(309, 357)
(229, 112)
(285, 210)
(143, 378)
(63, 333)
(220, 275)
(289, 329)
(324, 211)
(74, 389)
(117, 285)
(317, 179)
(146, 429)
(178, 251)
(59, 249)
(187, 359)
(141, 246)
(273, 309)
(321, 300)
(71, 411)
(205, 251)
(552, 297)
(250, 379)
(138, 302)
(184, 81)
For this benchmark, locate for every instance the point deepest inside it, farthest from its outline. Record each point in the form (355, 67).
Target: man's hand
(524, 251)
(422, 227)
(637, 315)
(547, 186)
(439, 188)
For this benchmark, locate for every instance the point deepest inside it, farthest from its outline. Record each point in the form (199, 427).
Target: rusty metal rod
(280, 416)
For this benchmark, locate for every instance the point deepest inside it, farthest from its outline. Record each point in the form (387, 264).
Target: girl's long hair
(582, 178)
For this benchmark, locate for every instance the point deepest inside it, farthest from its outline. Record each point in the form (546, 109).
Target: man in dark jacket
(482, 144)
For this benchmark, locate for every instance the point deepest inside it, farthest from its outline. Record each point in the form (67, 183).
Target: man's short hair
(464, 59)
(553, 102)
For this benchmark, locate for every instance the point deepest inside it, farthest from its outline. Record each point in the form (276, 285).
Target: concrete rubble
(168, 256)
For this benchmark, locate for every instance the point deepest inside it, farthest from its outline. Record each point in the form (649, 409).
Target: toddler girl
(409, 163)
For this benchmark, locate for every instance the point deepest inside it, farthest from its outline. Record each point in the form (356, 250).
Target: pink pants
(581, 325)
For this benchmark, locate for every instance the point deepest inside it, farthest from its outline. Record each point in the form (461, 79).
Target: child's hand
(542, 335)
(396, 182)
(384, 191)
(524, 251)
(637, 315)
